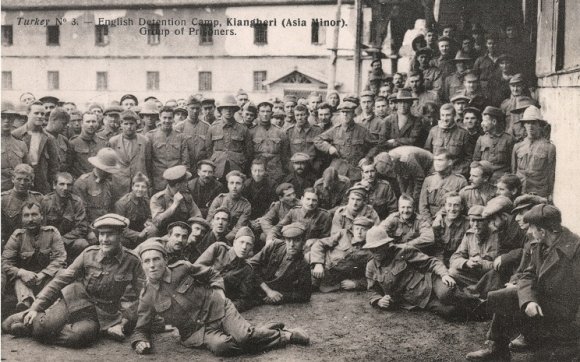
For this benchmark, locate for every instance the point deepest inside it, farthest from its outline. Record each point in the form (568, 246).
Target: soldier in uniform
(301, 135)
(84, 300)
(42, 149)
(134, 152)
(445, 59)
(495, 146)
(449, 227)
(194, 131)
(205, 187)
(347, 142)
(192, 299)
(249, 115)
(12, 200)
(239, 207)
(205, 234)
(437, 185)
(421, 94)
(128, 101)
(431, 74)
(448, 136)
(14, 151)
(74, 125)
(534, 158)
(480, 189)
(169, 149)
(279, 209)
(544, 304)
(326, 117)
(270, 144)
(229, 142)
(57, 124)
(403, 276)
(281, 271)
(66, 212)
(111, 122)
(473, 90)
(475, 255)
(331, 189)
(135, 207)
(85, 145)
(96, 188)
(259, 190)
(367, 118)
(241, 100)
(380, 193)
(339, 261)
(314, 100)
(356, 206)
(515, 105)
(401, 128)
(208, 110)
(407, 227)
(408, 166)
(32, 256)
(302, 176)
(289, 104)
(233, 265)
(149, 117)
(315, 221)
(175, 203)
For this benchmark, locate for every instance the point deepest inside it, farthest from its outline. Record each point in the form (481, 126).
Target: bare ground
(342, 327)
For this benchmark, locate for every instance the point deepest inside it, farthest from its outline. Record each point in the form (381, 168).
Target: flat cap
(151, 244)
(176, 173)
(198, 220)
(129, 96)
(347, 105)
(95, 105)
(544, 216)
(358, 189)
(207, 101)
(293, 230)
(267, 103)
(181, 224)
(128, 114)
(206, 162)
(377, 236)
(180, 109)
(282, 187)
(367, 93)
(351, 98)
(111, 220)
(192, 101)
(290, 98)
(471, 75)
(250, 107)
(527, 201)
(300, 157)
(460, 97)
(245, 232)
(522, 103)
(516, 79)
(494, 112)
(405, 95)
(113, 109)
(363, 221)
(49, 99)
(476, 212)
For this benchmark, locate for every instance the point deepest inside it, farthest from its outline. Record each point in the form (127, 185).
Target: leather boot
(522, 344)
(493, 351)
(299, 336)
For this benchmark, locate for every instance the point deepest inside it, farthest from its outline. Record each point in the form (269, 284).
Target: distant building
(103, 49)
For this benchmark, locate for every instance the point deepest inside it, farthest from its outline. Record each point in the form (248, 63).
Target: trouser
(233, 335)
(508, 318)
(449, 303)
(466, 277)
(24, 292)
(492, 280)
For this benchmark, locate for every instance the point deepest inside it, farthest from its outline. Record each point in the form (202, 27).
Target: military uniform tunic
(204, 194)
(535, 164)
(497, 149)
(240, 210)
(301, 140)
(195, 134)
(434, 190)
(230, 146)
(68, 215)
(84, 146)
(12, 210)
(96, 193)
(271, 144)
(169, 150)
(455, 141)
(14, 152)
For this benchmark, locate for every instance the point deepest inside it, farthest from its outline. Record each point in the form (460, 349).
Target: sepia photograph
(290, 180)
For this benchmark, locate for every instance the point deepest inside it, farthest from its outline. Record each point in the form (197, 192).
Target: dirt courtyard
(342, 327)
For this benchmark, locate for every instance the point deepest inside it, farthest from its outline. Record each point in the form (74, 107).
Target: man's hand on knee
(29, 317)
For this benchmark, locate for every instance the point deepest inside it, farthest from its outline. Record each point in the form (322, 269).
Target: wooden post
(357, 47)
(334, 49)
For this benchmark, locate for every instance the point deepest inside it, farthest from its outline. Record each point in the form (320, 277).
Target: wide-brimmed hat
(405, 95)
(8, 108)
(149, 107)
(106, 160)
(228, 101)
(532, 114)
(377, 236)
(462, 56)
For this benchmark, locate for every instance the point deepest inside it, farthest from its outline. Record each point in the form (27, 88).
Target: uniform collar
(231, 254)
(348, 126)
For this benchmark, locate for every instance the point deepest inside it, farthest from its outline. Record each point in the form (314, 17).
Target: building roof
(126, 4)
(297, 75)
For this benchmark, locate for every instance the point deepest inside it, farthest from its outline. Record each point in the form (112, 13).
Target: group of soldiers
(431, 192)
